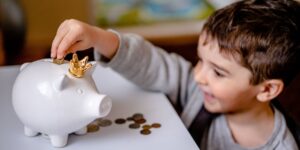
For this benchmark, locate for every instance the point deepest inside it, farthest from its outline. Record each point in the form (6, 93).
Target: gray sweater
(153, 69)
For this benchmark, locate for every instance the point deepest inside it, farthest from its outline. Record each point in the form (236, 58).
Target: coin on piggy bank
(58, 61)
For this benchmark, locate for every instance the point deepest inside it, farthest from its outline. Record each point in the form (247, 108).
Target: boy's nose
(199, 74)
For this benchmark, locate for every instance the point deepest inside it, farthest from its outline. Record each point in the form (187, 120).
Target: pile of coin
(136, 121)
(146, 128)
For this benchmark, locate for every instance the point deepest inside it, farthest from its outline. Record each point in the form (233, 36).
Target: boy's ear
(269, 89)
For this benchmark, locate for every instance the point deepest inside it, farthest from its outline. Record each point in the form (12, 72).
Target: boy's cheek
(225, 91)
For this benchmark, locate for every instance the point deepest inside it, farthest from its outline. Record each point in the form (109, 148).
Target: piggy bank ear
(61, 82)
(23, 66)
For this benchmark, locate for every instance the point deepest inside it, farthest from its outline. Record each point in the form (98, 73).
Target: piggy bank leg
(30, 132)
(81, 131)
(58, 140)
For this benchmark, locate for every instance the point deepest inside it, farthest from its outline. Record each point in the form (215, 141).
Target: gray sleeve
(152, 68)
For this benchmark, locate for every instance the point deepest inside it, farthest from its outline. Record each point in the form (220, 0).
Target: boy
(248, 53)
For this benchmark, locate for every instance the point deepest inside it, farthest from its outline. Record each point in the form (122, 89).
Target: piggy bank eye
(79, 91)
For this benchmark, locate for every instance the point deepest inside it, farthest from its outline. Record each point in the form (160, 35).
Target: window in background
(137, 12)
(173, 25)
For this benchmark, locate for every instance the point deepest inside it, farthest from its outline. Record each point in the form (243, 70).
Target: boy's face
(224, 82)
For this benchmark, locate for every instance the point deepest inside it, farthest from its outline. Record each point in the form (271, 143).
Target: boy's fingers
(61, 32)
(55, 44)
(67, 41)
(62, 25)
(75, 47)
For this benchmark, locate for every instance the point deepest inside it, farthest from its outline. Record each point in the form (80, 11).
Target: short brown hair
(263, 35)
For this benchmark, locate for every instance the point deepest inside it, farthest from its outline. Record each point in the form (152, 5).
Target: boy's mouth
(209, 97)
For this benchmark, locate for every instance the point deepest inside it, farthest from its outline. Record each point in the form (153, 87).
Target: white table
(127, 100)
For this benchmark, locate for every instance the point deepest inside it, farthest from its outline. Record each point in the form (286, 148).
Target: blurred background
(29, 26)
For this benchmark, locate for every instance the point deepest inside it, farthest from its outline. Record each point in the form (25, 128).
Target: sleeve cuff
(116, 60)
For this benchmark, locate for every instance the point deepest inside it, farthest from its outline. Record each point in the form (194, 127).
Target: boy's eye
(218, 74)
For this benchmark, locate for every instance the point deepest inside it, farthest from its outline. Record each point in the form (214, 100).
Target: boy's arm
(73, 35)
(154, 69)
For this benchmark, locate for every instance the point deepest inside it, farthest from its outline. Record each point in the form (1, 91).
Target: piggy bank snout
(104, 105)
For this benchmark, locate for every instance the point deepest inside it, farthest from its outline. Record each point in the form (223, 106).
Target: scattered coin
(140, 121)
(120, 121)
(92, 128)
(145, 131)
(104, 122)
(58, 61)
(137, 116)
(146, 126)
(134, 126)
(156, 125)
(129, 119)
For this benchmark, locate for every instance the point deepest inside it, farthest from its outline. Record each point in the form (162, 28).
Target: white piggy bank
(49, 100)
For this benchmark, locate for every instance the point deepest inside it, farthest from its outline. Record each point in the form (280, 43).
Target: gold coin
(120, 121)
(156, 125)
(146, 126)
(145, 131)
(92, 128)
(138, 116)
(140, 121)
(58, 61)
(134, 126)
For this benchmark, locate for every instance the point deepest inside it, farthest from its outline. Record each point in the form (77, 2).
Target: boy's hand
(73, 35)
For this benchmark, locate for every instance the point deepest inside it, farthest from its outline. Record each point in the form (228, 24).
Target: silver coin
(104, 122)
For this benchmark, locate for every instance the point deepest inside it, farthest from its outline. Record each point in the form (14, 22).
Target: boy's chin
(212, 109)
